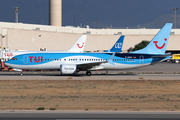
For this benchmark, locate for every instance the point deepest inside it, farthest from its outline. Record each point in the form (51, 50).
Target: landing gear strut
(88, 73)
(21, 73)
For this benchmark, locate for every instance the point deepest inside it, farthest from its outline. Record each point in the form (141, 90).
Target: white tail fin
(78, 47)
(159, 43)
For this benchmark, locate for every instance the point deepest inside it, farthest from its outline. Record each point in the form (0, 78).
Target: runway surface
(94, 77)
(160, 71)
(61, 115)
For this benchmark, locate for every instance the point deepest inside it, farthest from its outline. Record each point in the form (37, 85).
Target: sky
(95, 13)
(31, 11)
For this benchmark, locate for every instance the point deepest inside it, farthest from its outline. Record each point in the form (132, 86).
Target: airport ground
(125, 95)
(86, 93)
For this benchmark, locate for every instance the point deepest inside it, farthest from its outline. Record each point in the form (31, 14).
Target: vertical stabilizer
(117, 46)
(78, 47)
(159, 43)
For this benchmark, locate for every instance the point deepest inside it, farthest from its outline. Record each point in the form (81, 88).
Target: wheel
(21, 74)
(88, 73)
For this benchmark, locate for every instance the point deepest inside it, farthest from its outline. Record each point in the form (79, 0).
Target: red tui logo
(155, 42)
(80, 46)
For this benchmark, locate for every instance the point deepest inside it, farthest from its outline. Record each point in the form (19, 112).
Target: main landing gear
(21, 73)
(88, 73)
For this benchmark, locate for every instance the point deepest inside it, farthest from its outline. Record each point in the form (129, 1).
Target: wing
(95, 65)
(87, 66)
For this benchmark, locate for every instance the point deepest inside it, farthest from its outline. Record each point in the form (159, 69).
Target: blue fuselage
(40, 61)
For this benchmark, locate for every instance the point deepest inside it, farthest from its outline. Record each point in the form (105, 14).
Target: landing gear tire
(21, 74)
(88, 73)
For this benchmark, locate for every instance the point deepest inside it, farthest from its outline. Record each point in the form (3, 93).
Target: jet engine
(68, 69)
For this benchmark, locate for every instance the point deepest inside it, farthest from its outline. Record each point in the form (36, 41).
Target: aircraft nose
(7, 64)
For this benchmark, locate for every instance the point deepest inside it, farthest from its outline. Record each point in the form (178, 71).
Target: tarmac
(94, 77)
(160, 71)
(90, 115)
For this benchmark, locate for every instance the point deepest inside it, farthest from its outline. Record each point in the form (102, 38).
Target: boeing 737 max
(71, 63)
(78, 47)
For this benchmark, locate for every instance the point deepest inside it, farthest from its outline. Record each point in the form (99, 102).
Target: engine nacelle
(68, 69)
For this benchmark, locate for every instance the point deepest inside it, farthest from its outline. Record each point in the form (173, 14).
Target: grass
(143, 96)
(176, 106)
(40, 108)
(127, 95)
(52, 108)
(127, 99)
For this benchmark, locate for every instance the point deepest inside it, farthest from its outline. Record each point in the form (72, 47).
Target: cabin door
(25, 59)
(141, 59)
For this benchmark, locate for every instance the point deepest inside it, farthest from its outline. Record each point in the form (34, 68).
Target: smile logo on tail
(155, 42)
(80, 46)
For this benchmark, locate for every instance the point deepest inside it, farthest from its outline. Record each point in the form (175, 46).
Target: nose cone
(7, 63)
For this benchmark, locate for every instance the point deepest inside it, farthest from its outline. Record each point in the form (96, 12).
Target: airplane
(71, 63)
(78, 47)
(117, 46)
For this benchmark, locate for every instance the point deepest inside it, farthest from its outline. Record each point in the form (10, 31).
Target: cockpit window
(14, 58)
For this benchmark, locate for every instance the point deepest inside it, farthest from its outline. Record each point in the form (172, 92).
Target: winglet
(78, 47)
(110, 60)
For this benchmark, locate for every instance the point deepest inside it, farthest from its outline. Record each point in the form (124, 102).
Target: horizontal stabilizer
(160, 56)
